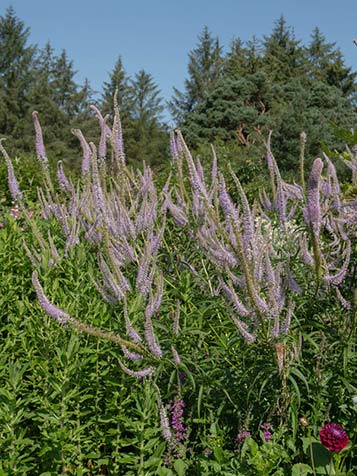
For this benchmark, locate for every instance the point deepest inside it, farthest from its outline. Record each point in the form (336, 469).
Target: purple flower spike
(85, 149)
(60, 316)
(267, 435)
(173, 146)
(63, 181)
(313, 197)
(177, 424)
(147, 372)
(13, 184)
(40, 148)
(242, 435)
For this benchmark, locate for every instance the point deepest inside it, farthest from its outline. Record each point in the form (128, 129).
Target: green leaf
(219, 455)
(301, 469)
(164, 471)
(180, 467)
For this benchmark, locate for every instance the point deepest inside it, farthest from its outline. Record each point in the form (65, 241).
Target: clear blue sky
(158, 34)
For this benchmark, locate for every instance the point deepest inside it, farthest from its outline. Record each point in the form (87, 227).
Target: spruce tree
(283, 55)
(65, 88)
(236, 109)
(236, 62)
(118, 80)
(205, 67)
(146, 136)
(254, 55)
(327, 64)
(16, 60)
(60, 101)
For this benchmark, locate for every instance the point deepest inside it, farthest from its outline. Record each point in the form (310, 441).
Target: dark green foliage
(328, 65)
(242, 109)
(276, 84)
(232, 110)
(65, 406)
(146, 135)
(283, 56)
(33, 79)
(16, 74)
(119, 81)
(309, 106)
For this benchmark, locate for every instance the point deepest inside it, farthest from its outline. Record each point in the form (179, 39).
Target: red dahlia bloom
(333, 437)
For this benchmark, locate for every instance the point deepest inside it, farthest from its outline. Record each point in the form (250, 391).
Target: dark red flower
(333, 437)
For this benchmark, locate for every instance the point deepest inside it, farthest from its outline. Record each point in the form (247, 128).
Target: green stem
(312, 454)
(302, 160)
(331, 466)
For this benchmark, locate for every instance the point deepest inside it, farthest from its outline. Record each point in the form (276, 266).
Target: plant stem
(312, 453)
(331, 466)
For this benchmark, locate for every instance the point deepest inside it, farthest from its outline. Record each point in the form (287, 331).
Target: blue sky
(158, 34)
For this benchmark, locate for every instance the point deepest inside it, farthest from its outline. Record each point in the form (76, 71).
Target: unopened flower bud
(303, 422)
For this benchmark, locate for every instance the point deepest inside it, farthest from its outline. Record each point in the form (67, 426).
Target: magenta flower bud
(333, 437)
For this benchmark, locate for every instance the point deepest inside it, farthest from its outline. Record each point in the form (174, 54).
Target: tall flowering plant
(122, 215)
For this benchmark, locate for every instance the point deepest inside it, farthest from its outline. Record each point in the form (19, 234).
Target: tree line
(33, 78)
(231, 97)
(275, 83)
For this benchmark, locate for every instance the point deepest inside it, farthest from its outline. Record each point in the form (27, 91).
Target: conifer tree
(118, 80)
(16, 60)
(236, 62)
(65, 89)
(283, 55)
(327, 64)
(146, 136)
(60, 101)
(255, 59)
(205, 67)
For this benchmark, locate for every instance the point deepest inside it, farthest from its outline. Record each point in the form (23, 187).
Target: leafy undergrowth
(219, 377)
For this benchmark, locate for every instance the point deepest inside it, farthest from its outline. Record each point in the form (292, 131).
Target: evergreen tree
(235, 110)
(145, 99)
(61, 103)
(236, 61)
(119, 81)
(65, 89)
(146, 138)
(254, 55)
(309, 107)
(327, 64)
(283, 55)
(204, 69)
(16, 60)
(41, 98)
